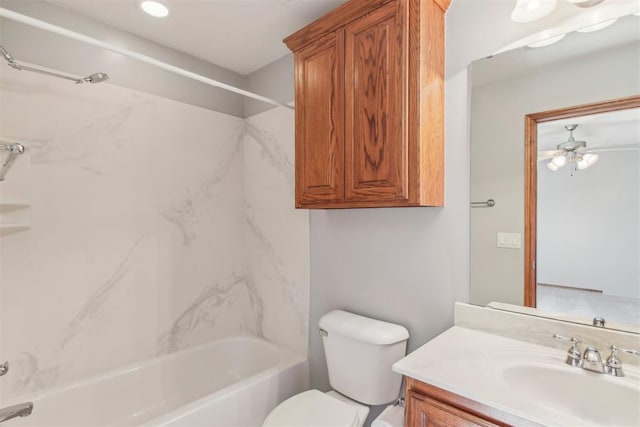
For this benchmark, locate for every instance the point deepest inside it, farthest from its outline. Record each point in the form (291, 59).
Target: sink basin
(592, 397)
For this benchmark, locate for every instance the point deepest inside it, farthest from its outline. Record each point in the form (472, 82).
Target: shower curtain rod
(24, 19)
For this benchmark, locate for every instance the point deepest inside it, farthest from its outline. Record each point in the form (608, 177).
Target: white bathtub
(231, 382)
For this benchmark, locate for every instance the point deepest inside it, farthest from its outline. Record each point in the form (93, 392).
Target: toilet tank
(359, 353)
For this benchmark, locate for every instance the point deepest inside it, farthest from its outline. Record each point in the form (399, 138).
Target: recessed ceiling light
(597, 27)
(547, 42)
(154, 8)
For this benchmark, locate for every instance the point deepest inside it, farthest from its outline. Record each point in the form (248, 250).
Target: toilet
(359, 353)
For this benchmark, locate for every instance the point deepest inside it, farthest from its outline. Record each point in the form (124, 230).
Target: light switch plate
(509, 240)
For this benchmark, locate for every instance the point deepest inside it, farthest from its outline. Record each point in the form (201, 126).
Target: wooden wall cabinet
(430, 406)
(369, 82)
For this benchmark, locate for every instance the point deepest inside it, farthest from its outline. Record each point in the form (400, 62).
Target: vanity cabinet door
(425, 412)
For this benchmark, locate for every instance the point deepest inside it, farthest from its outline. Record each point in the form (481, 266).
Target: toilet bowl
(314, 408)
(359, 353)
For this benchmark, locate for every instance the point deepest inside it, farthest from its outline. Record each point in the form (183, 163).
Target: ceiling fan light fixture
(587, 161)
(552, 166)
(559, 161)
(596, 27)
(532, 10)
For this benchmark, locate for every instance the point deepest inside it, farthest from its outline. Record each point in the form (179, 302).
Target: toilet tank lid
(362, 328)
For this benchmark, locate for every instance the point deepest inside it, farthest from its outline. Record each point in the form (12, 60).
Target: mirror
(583, 69)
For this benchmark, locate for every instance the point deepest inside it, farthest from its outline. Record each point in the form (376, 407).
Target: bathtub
(230, 382)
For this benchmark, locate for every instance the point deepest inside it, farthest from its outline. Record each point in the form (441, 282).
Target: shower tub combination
(231, 382)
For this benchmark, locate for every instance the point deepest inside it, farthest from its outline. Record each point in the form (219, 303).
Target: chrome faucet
(19, 410)
(4, 368)
(591, 360)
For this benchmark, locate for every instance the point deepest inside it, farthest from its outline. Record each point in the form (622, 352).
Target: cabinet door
(425, 412)
(319, 121)
(375, 133)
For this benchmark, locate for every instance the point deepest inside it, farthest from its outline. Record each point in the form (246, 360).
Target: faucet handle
(4, 368)
(614, 365)
(574, 355)
(628, 350)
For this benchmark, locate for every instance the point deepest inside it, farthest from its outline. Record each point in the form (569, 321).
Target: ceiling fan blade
(545, 155)
(605, 148)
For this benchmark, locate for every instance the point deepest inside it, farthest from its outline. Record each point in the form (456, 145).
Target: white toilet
(359, 353)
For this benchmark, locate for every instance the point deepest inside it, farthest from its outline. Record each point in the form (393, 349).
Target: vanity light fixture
(154, 8)
(532, 10)
(547, 42)
(596, 27)
(586, 3)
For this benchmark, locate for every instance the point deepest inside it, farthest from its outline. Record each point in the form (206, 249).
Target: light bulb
(532, 10)
(587, 161)
(551, 166)
(154, 8)
(559, 161)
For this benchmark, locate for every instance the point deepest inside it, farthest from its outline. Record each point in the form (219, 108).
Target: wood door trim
(531, 122)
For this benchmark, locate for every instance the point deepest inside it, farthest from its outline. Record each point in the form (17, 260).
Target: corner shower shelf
(10, 206)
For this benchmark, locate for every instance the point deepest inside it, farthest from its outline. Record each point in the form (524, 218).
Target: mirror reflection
(588, 220)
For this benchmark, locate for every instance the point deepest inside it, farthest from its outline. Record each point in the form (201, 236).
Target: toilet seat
(312, 408)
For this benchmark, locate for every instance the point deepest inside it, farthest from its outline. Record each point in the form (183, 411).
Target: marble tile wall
(277, 237)
(141, 241)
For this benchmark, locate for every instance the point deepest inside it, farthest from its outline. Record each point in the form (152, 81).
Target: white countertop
(473, 364)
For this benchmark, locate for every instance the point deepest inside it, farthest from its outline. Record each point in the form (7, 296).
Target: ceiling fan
(576, 152)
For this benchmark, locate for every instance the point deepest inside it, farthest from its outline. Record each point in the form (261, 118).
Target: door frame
(531, 122)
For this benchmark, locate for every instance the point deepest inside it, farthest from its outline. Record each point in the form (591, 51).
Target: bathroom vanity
(427, 405)
(470, 377)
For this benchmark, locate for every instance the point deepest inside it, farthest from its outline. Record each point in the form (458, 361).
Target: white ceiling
(213, 30)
